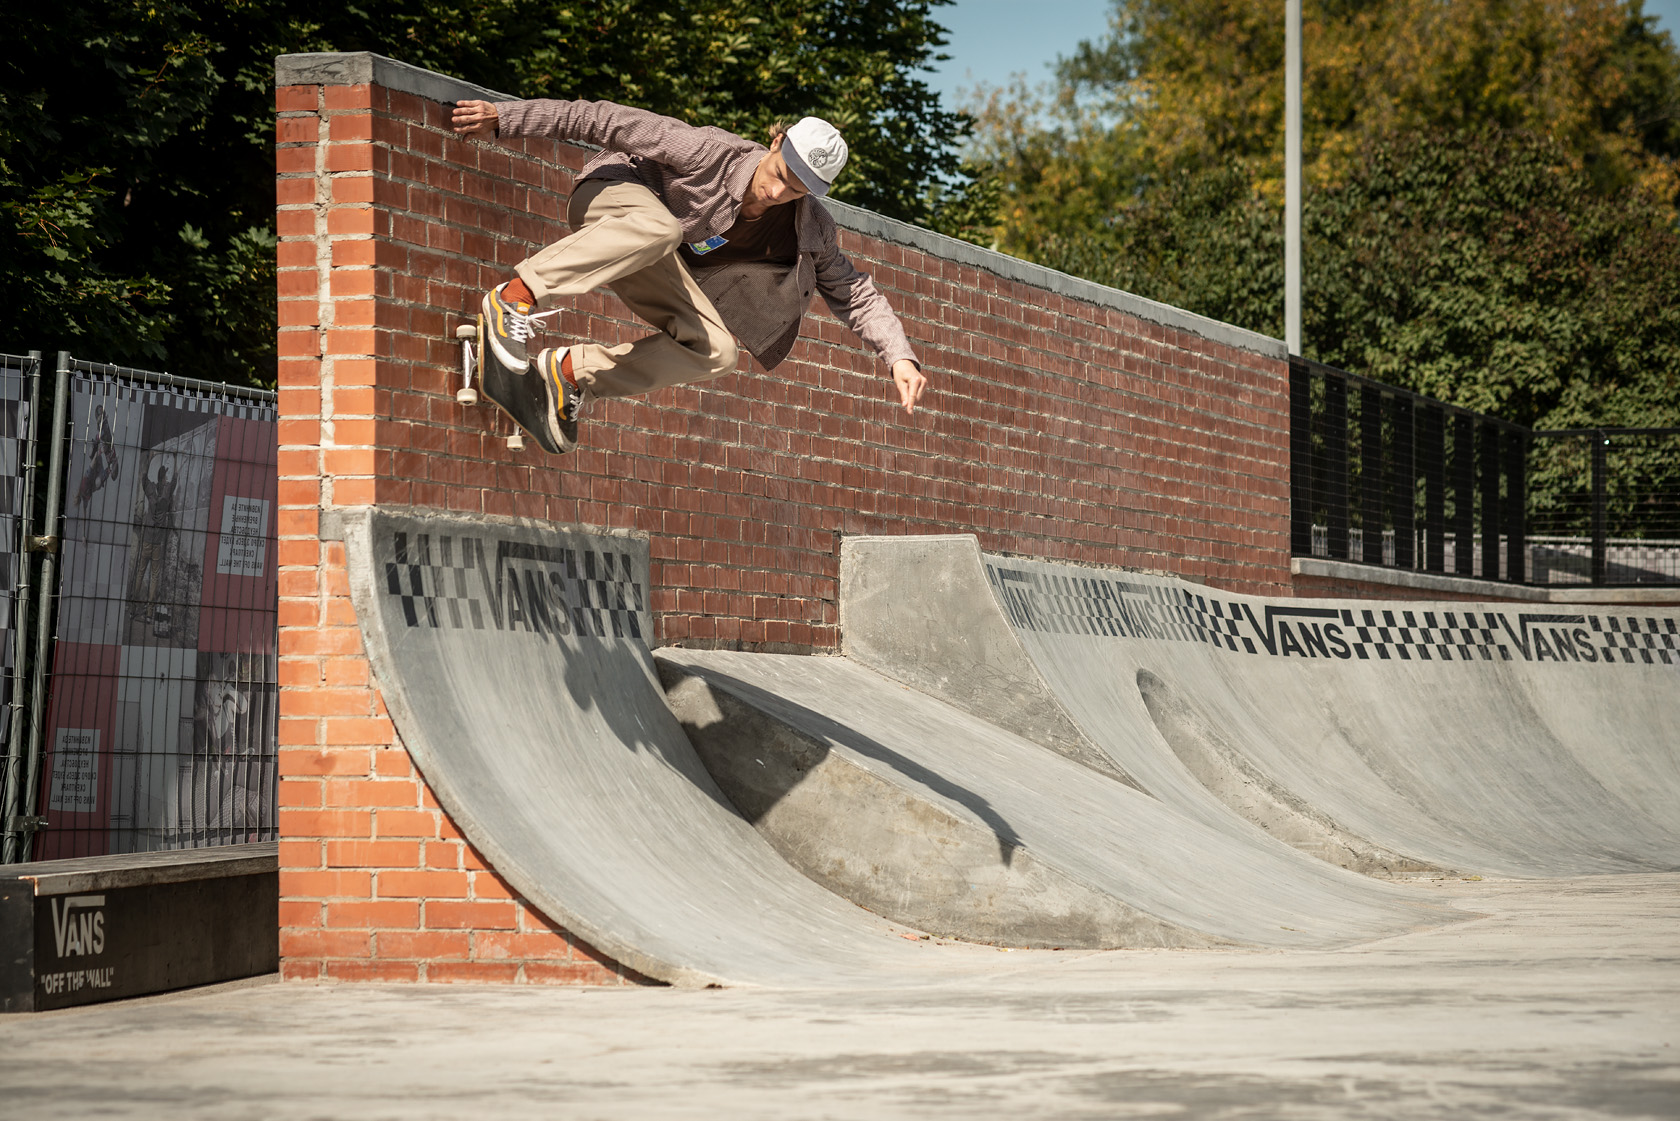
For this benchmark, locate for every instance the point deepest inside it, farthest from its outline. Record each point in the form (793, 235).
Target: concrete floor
(1563, 1002)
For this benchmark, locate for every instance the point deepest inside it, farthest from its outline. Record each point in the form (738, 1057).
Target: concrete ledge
(94, 929)
(366, 68)
(1411, 580)
(138, 869)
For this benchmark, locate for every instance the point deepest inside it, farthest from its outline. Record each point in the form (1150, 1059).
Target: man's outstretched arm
(857, 303)
(605, 124)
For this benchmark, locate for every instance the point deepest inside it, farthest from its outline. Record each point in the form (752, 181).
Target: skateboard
(519, 394)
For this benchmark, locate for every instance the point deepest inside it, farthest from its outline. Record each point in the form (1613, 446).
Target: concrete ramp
(1393, 739)
(513, 659)
(943, 821)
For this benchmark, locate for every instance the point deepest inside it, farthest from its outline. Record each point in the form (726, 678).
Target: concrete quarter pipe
(513, 659)
(1393, 739)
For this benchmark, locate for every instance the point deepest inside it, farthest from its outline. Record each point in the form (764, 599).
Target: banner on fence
(161, 720)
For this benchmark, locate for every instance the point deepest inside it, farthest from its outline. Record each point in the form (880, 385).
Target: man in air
(705, 235)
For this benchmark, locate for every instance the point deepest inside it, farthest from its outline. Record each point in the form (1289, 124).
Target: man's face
(774, 182)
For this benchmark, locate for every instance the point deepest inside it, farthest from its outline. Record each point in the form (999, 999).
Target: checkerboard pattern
(1060, 602)
(443, 580)
(1630, 638)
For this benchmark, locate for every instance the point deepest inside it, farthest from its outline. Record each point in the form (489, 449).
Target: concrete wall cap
(1412, 580)
(366, 68)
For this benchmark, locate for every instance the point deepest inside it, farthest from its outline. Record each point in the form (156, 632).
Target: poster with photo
(105, 421)
(169, 574)
(76, 764)
(169, 519)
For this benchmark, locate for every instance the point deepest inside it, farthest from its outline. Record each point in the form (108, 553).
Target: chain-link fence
(159, 572)
(1383, 476)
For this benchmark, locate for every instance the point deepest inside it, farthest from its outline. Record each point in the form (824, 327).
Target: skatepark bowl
(1041, 841)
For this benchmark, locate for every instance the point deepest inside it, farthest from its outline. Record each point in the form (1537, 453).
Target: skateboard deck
(519, 394)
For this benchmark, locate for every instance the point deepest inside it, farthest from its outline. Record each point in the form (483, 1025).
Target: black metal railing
(1383, 476)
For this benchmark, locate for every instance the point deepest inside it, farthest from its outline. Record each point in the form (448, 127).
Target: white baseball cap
(813, 148)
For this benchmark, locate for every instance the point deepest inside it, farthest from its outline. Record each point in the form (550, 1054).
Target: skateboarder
(705, 235)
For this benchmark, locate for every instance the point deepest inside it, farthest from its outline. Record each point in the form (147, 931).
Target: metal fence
(156, 620)
(19, 397)
(1383, 476)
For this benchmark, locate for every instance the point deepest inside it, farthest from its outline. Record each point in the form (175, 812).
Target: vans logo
(79, 925)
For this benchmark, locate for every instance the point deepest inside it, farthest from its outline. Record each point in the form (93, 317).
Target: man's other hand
(911, 383)
(474, 118)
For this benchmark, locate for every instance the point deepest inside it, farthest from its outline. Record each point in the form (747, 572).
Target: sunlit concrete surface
(1563, 1002)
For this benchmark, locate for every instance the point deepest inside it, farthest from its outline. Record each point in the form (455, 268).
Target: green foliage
(1491, 187)
(136, 167)
(1481, 268)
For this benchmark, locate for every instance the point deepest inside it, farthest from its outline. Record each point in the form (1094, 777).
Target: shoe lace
(522, 326)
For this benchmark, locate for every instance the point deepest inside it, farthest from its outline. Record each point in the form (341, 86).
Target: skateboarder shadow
(762, 718)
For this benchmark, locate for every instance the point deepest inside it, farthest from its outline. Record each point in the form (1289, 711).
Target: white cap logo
(814, 151)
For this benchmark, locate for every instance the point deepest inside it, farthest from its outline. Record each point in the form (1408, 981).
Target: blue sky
(990, 39)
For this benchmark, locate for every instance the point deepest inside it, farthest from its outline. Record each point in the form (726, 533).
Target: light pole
(1292, 177)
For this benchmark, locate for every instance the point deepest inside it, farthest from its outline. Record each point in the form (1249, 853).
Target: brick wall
(1066, 422)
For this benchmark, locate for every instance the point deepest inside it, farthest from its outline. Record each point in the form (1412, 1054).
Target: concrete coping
(139, 869)
(366, 68)
(1414, 581)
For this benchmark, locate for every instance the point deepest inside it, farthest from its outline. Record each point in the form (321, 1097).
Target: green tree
(136, 168)
(1490, 213)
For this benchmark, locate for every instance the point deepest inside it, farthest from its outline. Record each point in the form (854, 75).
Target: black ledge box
(106, 927)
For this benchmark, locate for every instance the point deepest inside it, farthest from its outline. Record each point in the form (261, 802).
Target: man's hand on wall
(474, 118)
(910, 381)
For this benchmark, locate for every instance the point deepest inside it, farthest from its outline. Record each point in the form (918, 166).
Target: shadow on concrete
(761, 748)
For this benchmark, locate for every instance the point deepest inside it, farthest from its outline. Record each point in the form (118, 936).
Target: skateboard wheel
(467, 396)
(516, 443)
(466, 331)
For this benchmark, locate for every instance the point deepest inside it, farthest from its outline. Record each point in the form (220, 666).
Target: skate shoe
(508, 327)
(564, 402)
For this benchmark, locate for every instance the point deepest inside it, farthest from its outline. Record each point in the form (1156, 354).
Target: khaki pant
(627, 240)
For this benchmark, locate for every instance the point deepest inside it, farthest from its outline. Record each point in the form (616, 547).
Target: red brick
(295, 161)
(301, 855)
(427, 945)
(422, 885)
(379, 971)
(399, 793)
(288, 99)
(301, 914)
(325, 885)
(355, 492)
(407, 823)
(570, 973)
(309, 969)
(350, 157)
(472, 972)
(325, 823)
(373, 914)
(450, 915)
(371, 730)
(348, 97)
(373, 854)
(511, 945)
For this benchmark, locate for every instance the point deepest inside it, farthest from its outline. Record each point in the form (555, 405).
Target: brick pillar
(376, 883)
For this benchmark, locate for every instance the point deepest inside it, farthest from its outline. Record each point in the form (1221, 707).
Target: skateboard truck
(467, 394)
